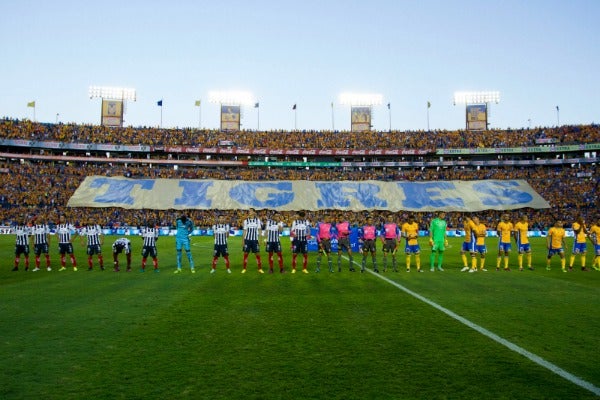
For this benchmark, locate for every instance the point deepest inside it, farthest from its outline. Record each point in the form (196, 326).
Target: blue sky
(538, 54)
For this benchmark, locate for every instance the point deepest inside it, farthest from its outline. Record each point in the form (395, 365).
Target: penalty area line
(510, 345)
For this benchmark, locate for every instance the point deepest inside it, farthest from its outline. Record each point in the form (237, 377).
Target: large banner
(230, 118)
(163, 194)
(112, 112)
(477, 117)
(360, 119)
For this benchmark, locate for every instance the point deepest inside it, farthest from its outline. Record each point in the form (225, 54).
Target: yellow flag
(197, 103)
(31, 104)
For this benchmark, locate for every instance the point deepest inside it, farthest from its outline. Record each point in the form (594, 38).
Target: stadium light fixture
(233, 98)
(476, 97)
(112, 93)
(361, 99)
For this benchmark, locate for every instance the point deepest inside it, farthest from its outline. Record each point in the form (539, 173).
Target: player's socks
(583, 261)
(571, 261)
(258, 261)
(505, 262)
(520, 259)
(178, 259)
(563, 263)
(418, 261)
(432, 260)
(280, 257)
(408, 262)
(440, 260)
(63, 260)
(529, 255)
(226, 261)
(155, 263)
(245, 261)
(73, 261)
(473, 263)
(498, 261)
(464, 260)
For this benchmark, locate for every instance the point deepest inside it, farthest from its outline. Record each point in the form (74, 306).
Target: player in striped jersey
(41, 242)
(389, 237)
(121, 245)
(521, 233)
(300, 234)
(221, 235)
(65, 243)
(324, 233)
(343, 237)
(252, 227)
(468, 245)
(22, 232)
(505, 230)
(595, 239)
(579, 243)
(91, 233)
(367, 235)
(273, 229)
(150, 235)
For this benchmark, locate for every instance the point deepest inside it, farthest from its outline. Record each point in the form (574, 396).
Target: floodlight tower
(231, 103)
(113, 103)
(476, 107)
(361, 106)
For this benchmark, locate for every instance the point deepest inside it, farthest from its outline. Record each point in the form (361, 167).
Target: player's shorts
(273, 247)
(325, 245)
(93, 249)
(439, 245)
(41, 248)
(21, 249)
(552, 252)
(504, 247)
(181, 243)
(299, 246)
(389, 245)
(65, 248)
(480, 248)
(525, 248)
(251, 246)
(597, 249)
(579, 248)
(369, 246)
(149, 251)
(220, 250)
(118, 248)
(468, 247)
(344, 244)
(412, 249)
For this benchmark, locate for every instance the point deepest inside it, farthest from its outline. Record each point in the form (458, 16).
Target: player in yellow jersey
(505, 230)
(579, 243)
(468, 245)
(480, 232)
(555, 241)
(410, 231)
(595, 239)
(521, 237)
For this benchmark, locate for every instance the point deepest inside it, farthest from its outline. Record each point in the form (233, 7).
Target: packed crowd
(24, 129)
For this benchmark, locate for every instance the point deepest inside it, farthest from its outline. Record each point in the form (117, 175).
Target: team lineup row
(390, 234)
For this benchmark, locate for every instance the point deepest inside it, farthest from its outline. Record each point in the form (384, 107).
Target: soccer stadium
(365, 262)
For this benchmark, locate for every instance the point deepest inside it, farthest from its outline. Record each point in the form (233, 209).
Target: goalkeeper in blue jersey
(184, 227)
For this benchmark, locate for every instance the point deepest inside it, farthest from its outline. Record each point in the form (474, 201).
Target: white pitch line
(533, 357)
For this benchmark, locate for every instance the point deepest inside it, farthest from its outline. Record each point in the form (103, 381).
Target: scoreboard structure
(361, 109)
(230, 117)
(476, 108)
(476, 117)
(360, 119)
(113, 103)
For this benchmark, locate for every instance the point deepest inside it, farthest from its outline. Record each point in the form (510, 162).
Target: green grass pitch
(106, 335)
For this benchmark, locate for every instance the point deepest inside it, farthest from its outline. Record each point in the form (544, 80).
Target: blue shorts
(481, 249)
(525, 248)
(412, 249)
(182, 243)
(552, 252)
(468, 247)
(504, 247)
(579, 248)
(597, 249)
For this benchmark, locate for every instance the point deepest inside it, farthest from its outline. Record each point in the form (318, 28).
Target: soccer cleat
(15, 269)
(90, 268)
(212, 270)
(596, 268)
(407, 269)
(228, 271)
(419, 270)
(530, 268)
(293, 270)
(305, 271)
(520, 269)
(282, 271)
(483, 270)
(584, 269)
(376, 270)
(178, 270)
(352, 269)
(318, 270)
(339, 269)
(497, 269)
(465, 269)
(156, 270)
(432, 269)
(244, 271)
(507, 269)
(144, 270)
(472, 270)
(440, 269)
(260, 271)
(75, 269)
(564, 270)
(101, 268)
(36, 269)
(270, 270)
(117, 269)
(128, 269)
(62, 269)
(48, 269)
(193, 271)
(330, 269)
(548, 268)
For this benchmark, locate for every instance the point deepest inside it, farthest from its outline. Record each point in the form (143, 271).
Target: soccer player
(555, 241)
(221, 236)
(121, 245)
(468, 245)
(22, 232)
(367, 235)
(389, 237)
(184, 228)
(92, 233)
(300, 233)
(150, 235)
(521, 233)
(252, 227)
(479, 233)
(65, 243)
(343, 237)
(505, 230)
(410, 231)
(324, 234)
(579, 243)
(437, 241)
(595, 239)
(273, 229)
(41, 242)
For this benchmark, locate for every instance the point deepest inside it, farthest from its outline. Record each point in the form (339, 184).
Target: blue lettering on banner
(501, 193)
(336, 194)
(119, 189)
(428, 195)
(245, 193)
(194, 194)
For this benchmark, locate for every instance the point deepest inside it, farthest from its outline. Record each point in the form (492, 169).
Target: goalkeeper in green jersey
(437, 241)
